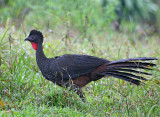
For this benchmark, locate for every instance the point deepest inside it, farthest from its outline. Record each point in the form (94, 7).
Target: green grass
(25, 92)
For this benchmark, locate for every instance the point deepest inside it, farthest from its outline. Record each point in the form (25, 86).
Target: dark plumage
(75, 71)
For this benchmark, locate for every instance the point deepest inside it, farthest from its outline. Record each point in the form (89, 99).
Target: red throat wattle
(34, 45)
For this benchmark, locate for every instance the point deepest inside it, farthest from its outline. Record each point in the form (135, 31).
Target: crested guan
(75, 71)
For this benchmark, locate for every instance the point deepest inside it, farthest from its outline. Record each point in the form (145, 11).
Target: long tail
(124, 69)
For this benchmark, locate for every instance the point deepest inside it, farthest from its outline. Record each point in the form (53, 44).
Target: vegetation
(75, 27)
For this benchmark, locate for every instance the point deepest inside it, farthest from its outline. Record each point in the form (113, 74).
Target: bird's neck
(39, 52)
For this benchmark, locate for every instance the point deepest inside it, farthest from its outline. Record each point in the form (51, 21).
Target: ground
(25, 92)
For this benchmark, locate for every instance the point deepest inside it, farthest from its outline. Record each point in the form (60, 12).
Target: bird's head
(35, 37)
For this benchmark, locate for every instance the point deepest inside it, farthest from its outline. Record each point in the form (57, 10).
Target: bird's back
(69, 66)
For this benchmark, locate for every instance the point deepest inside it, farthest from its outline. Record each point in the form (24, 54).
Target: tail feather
(134, 59)
(127, 74)
(131, 67)
(134, 64)
(126, 78)
(130, 71)
(123, 69)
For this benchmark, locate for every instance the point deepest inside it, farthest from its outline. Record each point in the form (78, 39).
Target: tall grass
(25, 92)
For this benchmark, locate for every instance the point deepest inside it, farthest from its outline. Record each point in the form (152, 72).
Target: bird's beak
(28, 39)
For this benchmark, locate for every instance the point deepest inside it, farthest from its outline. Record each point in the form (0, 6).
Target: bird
(75, 71)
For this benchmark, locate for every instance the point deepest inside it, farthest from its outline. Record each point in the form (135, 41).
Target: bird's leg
(78, 92)
(76, 89)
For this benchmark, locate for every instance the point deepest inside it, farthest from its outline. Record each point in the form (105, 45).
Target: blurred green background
(110, 29)
(84, 15)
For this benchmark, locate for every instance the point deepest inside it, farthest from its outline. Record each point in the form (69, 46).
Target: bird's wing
(72, 66)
